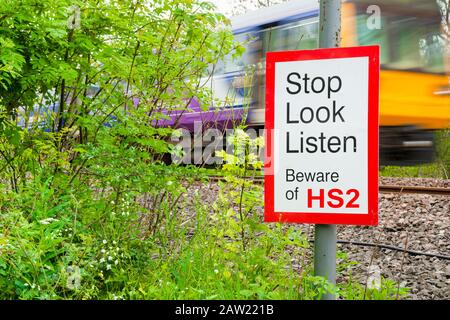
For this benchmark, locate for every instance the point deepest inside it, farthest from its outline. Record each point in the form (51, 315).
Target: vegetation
(87, 208)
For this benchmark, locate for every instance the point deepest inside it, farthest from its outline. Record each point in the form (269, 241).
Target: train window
(432, 52)
(251, 41)
(292, 36)
(406, 42)
(368, 36)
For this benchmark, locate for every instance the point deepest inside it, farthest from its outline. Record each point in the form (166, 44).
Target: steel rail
(394, 248)
(439, 191)
(384, 189)
(390, 247)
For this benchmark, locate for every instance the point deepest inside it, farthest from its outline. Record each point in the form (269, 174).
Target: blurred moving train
(414, 88)
(415, 69)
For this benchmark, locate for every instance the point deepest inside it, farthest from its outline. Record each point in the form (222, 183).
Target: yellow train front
(414, 84)
(414, 54)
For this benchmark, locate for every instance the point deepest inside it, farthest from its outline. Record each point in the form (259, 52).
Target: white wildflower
(374, 279)
(47, 221)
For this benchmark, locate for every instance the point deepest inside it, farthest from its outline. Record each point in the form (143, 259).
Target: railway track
(440, 191)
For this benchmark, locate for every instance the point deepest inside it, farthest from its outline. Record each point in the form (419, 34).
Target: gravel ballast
(417, 222)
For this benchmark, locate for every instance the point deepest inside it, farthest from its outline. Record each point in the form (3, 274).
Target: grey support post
(325, 238)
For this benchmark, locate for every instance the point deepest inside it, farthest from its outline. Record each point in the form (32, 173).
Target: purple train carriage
(414, 97)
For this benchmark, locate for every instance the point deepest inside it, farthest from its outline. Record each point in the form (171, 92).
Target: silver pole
(325, 254)
(330, 24)
(325, 238)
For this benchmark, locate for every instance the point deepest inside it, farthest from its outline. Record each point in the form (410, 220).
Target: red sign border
(369, 218)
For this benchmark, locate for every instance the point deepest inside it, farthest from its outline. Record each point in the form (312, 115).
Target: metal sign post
(321, 161)
(325, 237)
(325, 240)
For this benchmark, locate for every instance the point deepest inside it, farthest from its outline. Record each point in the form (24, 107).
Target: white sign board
(322, 136)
